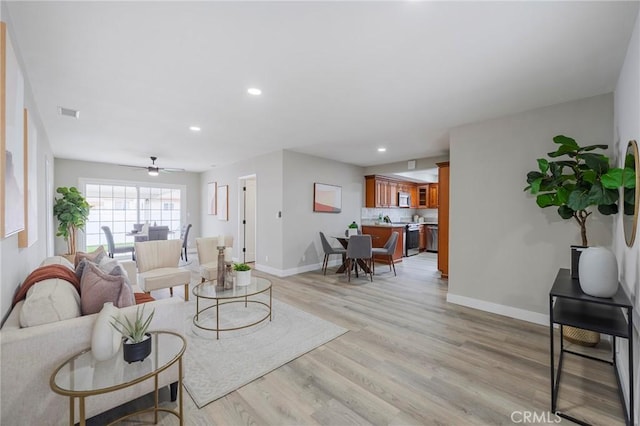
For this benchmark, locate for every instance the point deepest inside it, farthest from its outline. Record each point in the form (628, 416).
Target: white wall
(69, 172)
(268, 171)
(627, 127)
(301, 225)
(504, 250)
(16, 263)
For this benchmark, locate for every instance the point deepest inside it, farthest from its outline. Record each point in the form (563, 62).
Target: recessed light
(194, 128)
(382, 149)
(254, 91)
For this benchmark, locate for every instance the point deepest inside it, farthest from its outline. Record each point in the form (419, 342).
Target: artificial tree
(72, 212)
(577, 183)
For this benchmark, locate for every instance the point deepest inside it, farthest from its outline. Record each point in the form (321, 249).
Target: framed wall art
(211, 198)
(327, 198)
(223, 202)
(12, 149)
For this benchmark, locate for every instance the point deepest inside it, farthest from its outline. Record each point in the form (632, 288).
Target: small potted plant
(137, 342)
(352, 229)
(243, 274)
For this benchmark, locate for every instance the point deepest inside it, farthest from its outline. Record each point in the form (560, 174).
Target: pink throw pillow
(98, 287)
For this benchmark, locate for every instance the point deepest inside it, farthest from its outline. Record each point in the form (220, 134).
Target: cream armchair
(158, 266)
(208, 255)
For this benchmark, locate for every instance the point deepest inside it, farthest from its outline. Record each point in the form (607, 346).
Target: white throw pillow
(57, 260)
(50, 301)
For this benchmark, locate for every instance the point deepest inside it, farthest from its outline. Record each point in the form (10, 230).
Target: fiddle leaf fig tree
(578, 181)
(72, 212)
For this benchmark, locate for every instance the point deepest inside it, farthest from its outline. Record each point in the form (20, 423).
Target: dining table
(344, 242)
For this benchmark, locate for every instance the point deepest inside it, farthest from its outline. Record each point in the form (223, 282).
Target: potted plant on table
(243, 274)
(137, 342)
(352, 229)
(577, 183)
(72, 212)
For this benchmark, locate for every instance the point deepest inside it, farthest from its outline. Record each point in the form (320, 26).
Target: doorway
(247, 212)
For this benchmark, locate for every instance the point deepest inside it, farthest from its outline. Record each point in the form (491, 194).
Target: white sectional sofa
(28, 357)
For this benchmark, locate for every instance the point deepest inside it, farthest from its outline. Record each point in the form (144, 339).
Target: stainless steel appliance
(411, 239)
(404, 199)
(432, 237)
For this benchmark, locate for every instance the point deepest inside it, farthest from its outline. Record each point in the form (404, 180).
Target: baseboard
(496, 308)
(296, 270)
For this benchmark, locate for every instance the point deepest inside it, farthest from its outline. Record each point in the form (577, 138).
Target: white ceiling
(339, 79)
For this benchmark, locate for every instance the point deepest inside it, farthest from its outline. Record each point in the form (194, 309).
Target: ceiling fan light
(153, 171)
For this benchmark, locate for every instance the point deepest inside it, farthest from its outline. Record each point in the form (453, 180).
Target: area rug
(214, 368)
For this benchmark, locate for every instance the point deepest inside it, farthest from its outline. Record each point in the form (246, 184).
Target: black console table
(574, 308)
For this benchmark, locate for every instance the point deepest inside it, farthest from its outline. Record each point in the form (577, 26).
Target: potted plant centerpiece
(243, 274)
(136, 345)
(72, 212)
(352, 229)
(578, 180)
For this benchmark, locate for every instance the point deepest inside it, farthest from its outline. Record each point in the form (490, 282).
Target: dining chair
(113, 249)
(185, 241)
(143, 235)
(387, 250)
(207, 249)
(359, 248)
(328, 251)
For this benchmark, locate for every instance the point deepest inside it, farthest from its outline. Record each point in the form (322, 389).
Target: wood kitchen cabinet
(381, 191)
(423, 238)
(423, 196)
(380, 235)
(432, 199)
(443, 218)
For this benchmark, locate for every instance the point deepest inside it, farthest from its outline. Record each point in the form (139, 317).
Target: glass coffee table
(238, 294)
(82, 375)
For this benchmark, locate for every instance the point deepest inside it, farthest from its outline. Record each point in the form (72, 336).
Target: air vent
(68, 112)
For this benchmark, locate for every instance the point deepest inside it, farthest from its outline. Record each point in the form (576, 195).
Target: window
(121, 205)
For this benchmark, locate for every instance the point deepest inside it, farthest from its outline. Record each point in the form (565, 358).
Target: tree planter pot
(133, 352)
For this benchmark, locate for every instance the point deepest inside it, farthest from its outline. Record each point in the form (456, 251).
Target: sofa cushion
(98, 287)
(44, 273)
(50, 301)
(57, 260)
(95, 256)
(113, 267)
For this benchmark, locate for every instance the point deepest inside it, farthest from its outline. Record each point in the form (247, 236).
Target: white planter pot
(243, 278)
(352, 231)
(105, 340)
(598, 272)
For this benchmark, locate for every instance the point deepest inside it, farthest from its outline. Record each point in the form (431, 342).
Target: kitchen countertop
(400, 224)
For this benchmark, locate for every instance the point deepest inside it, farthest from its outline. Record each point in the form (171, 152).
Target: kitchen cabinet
(379, 236)
(383, 192)
(423, 196)
(413, 191)
(432, 201)
(423, 238)
(393, 194)
(443, 218)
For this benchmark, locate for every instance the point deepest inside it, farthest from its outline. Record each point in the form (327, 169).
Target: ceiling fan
(154, 170)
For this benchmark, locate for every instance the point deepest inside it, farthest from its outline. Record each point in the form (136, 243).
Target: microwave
(404, 199)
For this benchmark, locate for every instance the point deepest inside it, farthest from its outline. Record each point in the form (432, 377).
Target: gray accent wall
(69, 173)
(504, 249)
(268, 170)
(302, 247)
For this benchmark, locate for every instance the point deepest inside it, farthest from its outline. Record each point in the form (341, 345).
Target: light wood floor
(410, 358)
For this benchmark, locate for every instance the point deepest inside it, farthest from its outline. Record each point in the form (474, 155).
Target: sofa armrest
(28, 357)
(132, 271)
